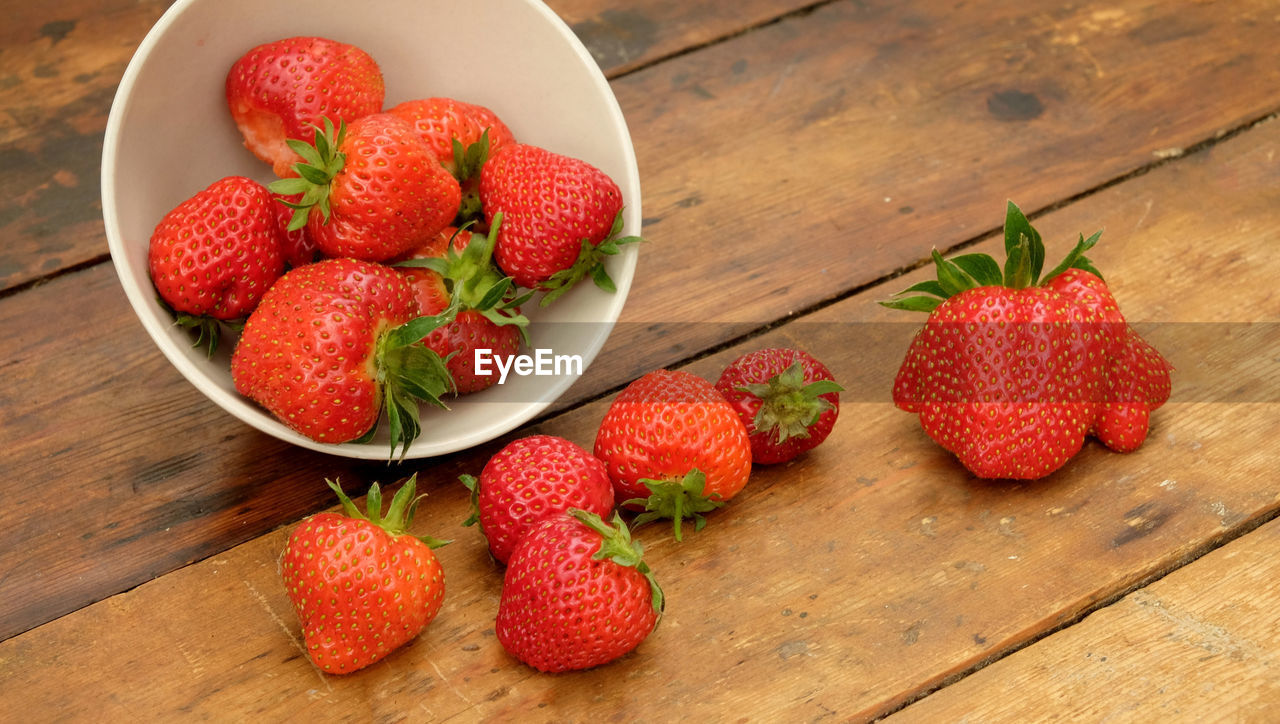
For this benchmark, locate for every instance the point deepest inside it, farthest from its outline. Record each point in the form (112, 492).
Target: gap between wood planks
(1239, 531)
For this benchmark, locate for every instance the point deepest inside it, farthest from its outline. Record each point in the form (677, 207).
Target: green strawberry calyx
(590, 262)
(676, 500)
(399, 516)
(409, 373)
(1024, 262)
(321, 161)
(467, 162)
(472, 484)
(474, 281)
(617, 545)
(789, 406)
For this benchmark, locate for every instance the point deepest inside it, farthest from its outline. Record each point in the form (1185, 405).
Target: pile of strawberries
(576, 592)
(396, 242)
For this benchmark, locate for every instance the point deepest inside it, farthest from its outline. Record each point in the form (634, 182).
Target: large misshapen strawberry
(361, 584)
(333, 345)
(213, 256)
(1009, 373)
(279, 90)
(370, 190)
(561, 218)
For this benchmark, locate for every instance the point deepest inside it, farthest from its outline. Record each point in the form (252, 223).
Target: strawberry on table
(561, 218)
(674, 446)
(334, 344)
(1009, 373)
(279, 90)
(214, 255)
(576, 594)
(788, 400)
(362, 585)
(530, 479)
(370, 190)
(455, 271)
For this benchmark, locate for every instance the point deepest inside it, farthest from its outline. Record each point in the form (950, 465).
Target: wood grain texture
(843, 584)
(1202, 644)
(623, 36)
(790, 165)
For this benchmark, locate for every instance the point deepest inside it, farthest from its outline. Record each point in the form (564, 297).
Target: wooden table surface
(799, 160)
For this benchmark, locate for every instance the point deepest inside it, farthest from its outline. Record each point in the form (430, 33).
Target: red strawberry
(577, 594)
(279, 90)
(462, 136)
(788, 400)
(442, 121)
(371, 192)
(298, 246)
(561, 218)
(459, 273)
(1137, 376)
(362, 586)
(215, 254)
(673, 444)
(332, 345)
(1007, 373)
(529, 480)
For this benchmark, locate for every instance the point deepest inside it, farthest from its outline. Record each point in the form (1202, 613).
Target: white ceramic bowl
(170, 134)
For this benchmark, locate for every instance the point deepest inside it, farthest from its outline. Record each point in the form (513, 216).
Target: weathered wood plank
(842, 584)
(116, 469)
(625, 35)
(795, 163)
(1202, 644)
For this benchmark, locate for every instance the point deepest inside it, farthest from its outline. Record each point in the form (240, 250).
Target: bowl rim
(257, 417)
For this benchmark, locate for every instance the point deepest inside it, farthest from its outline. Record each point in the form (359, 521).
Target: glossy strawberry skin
(307, 351)
(360, 591)
(439, 121)
(1010, 380)
(532, 478)
(758, 368)
(666, 424)
(298, 248)
(563, 610)
(550, 203)
(277, 90)
(1138, 378)
(390, 195)
(218, 252)
(458, 340)
(462, 337)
